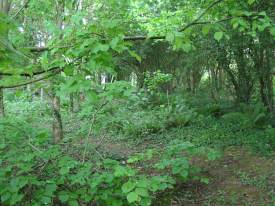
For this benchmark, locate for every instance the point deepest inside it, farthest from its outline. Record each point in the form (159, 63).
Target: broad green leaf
(218, 35)
(135, 55)
(142, 192)
(114, 42)
(213, 155)
(100, 47)
(133, 197)
(206, 29)
(69, 71)
(186, 46)
(73, 203)
(272, 31)
(63, 197)
(205, 180)
(128, 186)
(250, 2)
(170, 37)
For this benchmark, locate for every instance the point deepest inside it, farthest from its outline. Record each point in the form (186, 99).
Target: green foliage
(249, 117)
(218, 35)
(38, 173)
(87, 40)
(128, 116)
(156, 79)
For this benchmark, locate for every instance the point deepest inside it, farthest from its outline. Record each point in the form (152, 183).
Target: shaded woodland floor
(240, 177)
(243, 176)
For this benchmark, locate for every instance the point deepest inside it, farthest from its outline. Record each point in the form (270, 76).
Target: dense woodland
(137, 102)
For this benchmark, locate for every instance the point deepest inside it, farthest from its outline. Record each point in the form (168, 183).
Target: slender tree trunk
(4, 8)
(41, 94)
(77, 103)
(188, 81)
(72, 102)
(57, 121)
(140, 80)
(266, 91)
(2, 108)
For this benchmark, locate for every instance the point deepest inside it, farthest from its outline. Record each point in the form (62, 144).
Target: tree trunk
(41, 94)
(4, 8)
(266, 88)
(71, 102)
(188, 80)
(2, 109)
(57, 121)
(77, 103)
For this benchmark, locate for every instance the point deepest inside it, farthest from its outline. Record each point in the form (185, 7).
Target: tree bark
(71, 102)
(57, 121)
(2, 108)
(4, 8)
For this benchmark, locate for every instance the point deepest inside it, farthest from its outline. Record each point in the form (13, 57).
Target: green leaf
(205, 180)
(128, 186)
(123, 171)
(218, 35)
(144, 183)
(64, 170)
(15, 198)
(145, 202)
(206, 29)
(5, 196)
(272, 31)
(142, 192)
(73, 203)
(250, 2)
(114, 42)
(170, 37)
(184, 174)
(135, 55)
(63, 197)
(186, 47)
(50, 188)
(132, 197)
(46, 200)
(213, 155)
(69, 71)
(100, 47)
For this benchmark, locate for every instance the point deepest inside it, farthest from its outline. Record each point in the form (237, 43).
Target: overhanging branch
(201, 15)
(30, 74)
(32, 81)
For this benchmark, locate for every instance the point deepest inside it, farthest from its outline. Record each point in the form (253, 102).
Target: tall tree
(5, 6)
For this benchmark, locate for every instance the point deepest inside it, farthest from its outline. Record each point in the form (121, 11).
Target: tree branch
(25, 5)
(30, 75)
(42, 49)
(201, 15)
(32, 81)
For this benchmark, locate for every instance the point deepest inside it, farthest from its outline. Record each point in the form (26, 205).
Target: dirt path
(240, 178)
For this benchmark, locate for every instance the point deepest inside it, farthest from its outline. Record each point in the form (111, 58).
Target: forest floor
(243, 176)
(240, 178)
